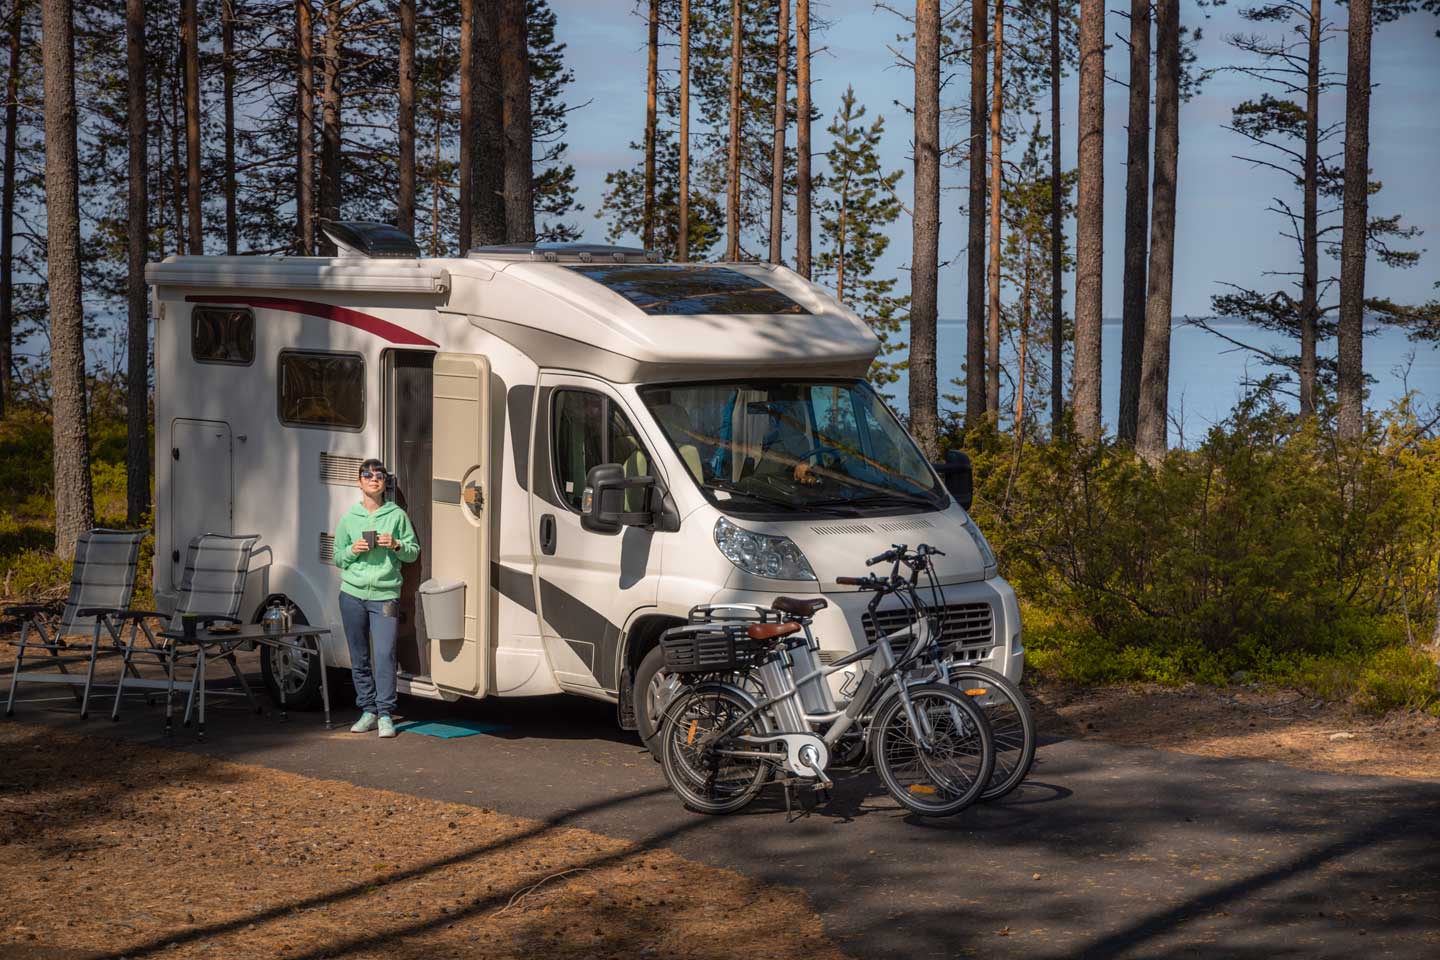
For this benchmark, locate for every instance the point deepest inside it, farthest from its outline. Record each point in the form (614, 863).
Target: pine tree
(857, 205)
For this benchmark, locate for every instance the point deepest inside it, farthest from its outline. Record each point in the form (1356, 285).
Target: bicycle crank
(805, 754)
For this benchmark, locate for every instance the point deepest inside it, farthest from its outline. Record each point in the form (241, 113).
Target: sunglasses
(373, 474)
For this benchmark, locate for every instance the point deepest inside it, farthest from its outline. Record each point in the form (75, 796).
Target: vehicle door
(587, 583)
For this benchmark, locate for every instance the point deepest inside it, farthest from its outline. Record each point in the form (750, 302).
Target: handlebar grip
(880, 558)
(850, 581)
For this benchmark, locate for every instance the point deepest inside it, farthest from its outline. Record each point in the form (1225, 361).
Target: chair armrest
(30, 609)
(114, 614)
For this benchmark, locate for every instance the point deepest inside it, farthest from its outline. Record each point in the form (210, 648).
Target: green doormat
(449, 729)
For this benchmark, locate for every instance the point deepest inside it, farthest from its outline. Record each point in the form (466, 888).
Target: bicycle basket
(710, 648)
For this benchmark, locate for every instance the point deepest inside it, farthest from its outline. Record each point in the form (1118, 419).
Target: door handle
(547, 534)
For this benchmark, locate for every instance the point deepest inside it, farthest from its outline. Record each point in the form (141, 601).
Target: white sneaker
(365, 724)
(387, 728)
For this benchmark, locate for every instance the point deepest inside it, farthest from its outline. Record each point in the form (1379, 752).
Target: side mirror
(958, 477)
(602, 509)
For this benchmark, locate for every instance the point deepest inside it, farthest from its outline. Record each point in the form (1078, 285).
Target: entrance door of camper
(459, 517)
(588, 583)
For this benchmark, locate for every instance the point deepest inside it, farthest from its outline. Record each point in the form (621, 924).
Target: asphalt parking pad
(449, 729)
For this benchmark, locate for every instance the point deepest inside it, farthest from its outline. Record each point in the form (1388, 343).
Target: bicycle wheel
(943, 771)
(709, 782)
(1010, 723)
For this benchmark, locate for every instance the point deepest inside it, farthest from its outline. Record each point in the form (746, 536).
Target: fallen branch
(522, 894)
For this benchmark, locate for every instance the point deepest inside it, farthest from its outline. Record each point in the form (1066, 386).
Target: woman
(371, 542)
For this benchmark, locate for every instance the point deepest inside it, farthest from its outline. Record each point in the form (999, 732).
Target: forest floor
(1249, 722)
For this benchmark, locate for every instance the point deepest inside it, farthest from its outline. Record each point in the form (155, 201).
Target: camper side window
(322, 389)
(588, 429)
(222, 335)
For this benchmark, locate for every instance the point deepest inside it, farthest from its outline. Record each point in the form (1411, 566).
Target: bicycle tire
(951, 776)
(1012, 725)
(709, 786)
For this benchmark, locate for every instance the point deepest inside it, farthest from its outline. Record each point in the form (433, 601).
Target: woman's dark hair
(371, 464)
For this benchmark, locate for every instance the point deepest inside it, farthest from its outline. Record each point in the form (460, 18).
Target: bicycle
(721, 744)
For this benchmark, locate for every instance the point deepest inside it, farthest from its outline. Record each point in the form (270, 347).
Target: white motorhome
(718, 413)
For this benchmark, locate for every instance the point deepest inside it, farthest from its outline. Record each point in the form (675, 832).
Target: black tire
(1011, 725)
(956, 770)
(709, 785)
(653, 689)
(302, 674)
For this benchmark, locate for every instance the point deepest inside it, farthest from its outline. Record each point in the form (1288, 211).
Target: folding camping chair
(210, 591)
(102, 582)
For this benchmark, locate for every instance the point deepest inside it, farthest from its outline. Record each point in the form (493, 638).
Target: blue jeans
(367, 623)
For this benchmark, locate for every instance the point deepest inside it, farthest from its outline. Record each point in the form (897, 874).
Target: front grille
(965, 624)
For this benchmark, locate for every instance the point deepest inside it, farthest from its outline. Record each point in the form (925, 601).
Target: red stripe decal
(326, 311)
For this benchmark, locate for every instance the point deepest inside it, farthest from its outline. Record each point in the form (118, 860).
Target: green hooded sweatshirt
(375, 574)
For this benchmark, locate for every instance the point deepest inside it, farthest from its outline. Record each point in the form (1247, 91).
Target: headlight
(986, 554)
(761, 554)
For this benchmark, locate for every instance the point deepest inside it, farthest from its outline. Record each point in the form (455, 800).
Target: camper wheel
(301, 675)
(654, 688)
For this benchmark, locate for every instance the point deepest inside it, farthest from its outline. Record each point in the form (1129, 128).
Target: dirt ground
(118, 850)
(1255, 723)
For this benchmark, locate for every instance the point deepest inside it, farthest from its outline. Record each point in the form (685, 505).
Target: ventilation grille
(910, 523)
(966, 624)
(842, 529)
(828, 657)
(335, 468)
(327, 548)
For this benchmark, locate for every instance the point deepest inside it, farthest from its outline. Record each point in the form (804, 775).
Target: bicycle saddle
(771, 631)
(799, 608)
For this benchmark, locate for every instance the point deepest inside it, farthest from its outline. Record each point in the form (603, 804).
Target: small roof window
(685, 289)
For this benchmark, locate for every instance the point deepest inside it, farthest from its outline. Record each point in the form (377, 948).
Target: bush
(1270, 548)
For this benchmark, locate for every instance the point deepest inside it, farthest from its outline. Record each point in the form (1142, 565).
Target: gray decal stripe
(519, 400)
(585, 651)
(513, 585)
(571, 618)
(445, 491)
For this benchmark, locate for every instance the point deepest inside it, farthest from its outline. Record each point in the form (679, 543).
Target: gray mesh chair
(211, 591)
(102, 581)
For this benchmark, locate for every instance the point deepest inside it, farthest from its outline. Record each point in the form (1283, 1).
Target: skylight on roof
(678, 289)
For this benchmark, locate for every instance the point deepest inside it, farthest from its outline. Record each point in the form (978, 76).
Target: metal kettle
(276, 618)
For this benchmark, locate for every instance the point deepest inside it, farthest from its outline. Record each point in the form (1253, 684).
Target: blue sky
(1223, 229)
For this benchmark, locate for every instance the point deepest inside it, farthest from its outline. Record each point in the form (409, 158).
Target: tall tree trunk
(1057, 234)
(975, 398)
(802, 138)
(519, 137)
(467, 121)
(1089, 220)
(137, 374)
(305, 125)
(191, 39)
(177, 170)
(732, 159)
(682, 232)
(1150, 436)
(74, 506)
(652, 83)
(1025, 319)
(330, 118)
(1309, 231)
(777, 161)
(1137, 222)
(997, 172)
(842, 235)
(1354, 223)
(405, 201)
(227, 80)
(488, 198)
(924, 404)
(7, 206)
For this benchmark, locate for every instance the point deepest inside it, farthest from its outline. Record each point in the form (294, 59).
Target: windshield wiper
(877, 499)
(730, 487)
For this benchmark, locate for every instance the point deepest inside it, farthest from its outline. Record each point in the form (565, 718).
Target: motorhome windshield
(678, 289)
(765, 446)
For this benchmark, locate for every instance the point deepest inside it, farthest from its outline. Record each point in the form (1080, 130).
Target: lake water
(1206, 373)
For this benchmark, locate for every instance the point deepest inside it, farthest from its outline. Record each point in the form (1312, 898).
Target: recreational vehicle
(588, 442)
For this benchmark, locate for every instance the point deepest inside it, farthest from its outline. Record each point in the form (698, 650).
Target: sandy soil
(113, 849)
(1280, 725)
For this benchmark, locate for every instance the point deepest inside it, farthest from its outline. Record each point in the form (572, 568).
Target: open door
(460, 529)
